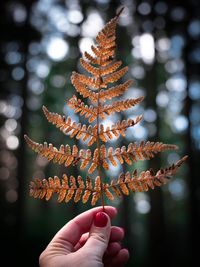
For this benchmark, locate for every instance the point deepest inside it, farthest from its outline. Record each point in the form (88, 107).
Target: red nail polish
(100, 219)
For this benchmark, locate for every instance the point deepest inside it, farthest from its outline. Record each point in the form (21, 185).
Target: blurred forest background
(40, 44)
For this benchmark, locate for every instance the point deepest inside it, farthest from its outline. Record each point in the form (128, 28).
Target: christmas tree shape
(98, 87)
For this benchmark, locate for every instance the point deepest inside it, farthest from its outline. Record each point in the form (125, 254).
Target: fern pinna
(104, 70)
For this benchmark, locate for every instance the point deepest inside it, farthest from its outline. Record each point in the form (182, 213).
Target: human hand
(88, 240)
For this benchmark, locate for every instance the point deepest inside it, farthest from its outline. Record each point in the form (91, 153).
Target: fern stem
(98, 146)
(99, 165)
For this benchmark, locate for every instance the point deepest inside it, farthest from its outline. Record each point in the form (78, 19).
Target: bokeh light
(57, 48)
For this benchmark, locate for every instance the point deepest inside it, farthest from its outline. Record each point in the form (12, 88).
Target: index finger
(73, 230)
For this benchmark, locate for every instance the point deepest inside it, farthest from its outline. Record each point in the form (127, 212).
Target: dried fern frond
(117, 129)
(63, 155)
(102, 67)
(89, 68)
(68, 188)
(97, 86)
(144, 181)
(82, 88)
(134, 152)
(119, 106)
(91, 82)
(67, 126)
(114, 91)
(115, 76)
(90, 112)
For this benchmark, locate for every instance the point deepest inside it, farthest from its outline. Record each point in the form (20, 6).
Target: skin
(81, 243)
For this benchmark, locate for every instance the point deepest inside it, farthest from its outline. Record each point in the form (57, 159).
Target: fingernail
(100, 219)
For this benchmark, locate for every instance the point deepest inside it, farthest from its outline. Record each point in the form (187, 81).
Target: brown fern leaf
(83, 83)
(117, 129)
(114, 91)
(92, 82)
(88, 190)
(96, 52)
(91, 59)
(66, 188)
(110, 68)
(145, 180)
(102, 66)
(135, 152)
(106, 37)
(82, 89)
(90, 112)
(67, 126)
(91, 69)
(115, 76)
(121, 105)
(95, 161)
(107, 192)
(64, 155)
(97, 191)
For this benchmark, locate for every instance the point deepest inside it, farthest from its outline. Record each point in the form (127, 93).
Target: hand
(88, 240)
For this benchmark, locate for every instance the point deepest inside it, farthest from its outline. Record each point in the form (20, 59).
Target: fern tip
(26, 137)
(120, 11)
(185, 158)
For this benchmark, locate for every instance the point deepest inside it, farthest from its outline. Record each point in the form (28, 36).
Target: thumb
(99, 235)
